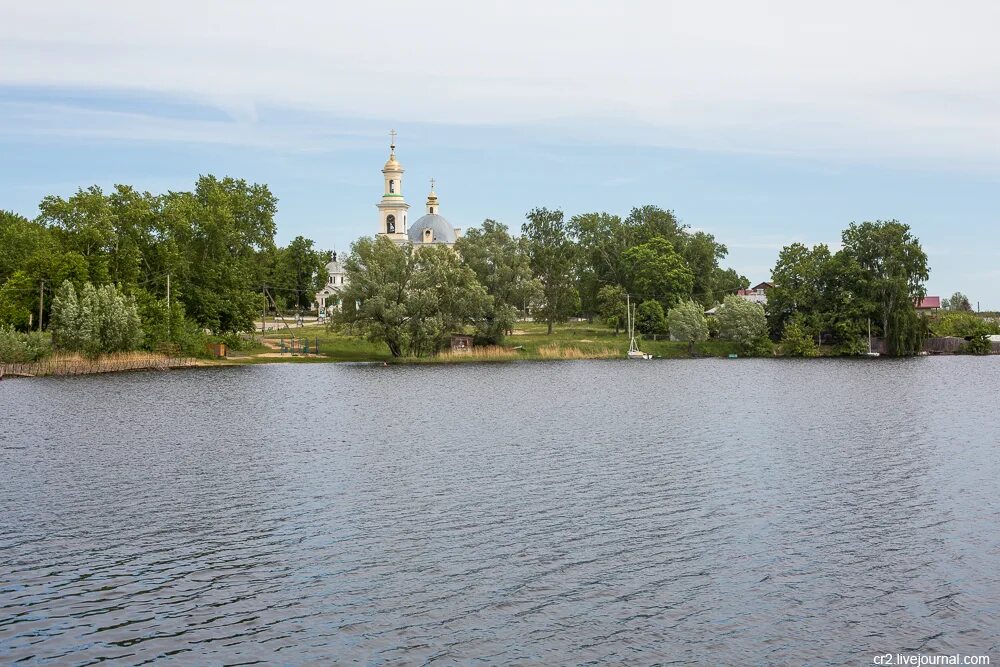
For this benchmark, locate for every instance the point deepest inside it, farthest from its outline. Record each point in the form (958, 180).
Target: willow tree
(408, 299)
(502, 265)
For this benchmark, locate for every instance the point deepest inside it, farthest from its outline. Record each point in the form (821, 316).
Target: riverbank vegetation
(194, 264)
(132, 271)
(412, 300)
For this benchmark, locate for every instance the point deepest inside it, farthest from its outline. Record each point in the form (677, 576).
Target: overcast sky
(762, 123)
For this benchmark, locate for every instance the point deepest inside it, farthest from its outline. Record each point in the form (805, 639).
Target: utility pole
(168, 307)
(41, 303)
(263, 313)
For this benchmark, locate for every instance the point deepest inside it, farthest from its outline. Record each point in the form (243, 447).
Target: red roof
(929, 302)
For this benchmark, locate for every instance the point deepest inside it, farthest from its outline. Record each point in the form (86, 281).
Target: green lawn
(572, 340)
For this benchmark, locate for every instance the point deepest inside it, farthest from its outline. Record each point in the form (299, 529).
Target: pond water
(758, 512)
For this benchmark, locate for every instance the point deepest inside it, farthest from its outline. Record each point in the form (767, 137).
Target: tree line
(557, 268)
(212, 248)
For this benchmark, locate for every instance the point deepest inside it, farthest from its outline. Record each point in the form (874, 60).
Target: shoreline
(23, 371)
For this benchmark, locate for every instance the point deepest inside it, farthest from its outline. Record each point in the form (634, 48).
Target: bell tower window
(390, 224)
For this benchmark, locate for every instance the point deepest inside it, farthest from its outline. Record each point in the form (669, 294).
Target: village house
(756, 294)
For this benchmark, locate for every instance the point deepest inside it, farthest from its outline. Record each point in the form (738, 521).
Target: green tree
(410, 300)
(958, 302)
(744, 323)
(445, 297)
(611, 300)
(299, 272)
(893, 270)
(962, 323)
(650, 319)
(552, 255)
(796, 340)
(18, 296)
(798, 288)
(702, 253)
(501, 264)
(725, 281)
(64, 323)
(376, 298)
(658, 272)
(687, 322)
(98, 320)
(20, 240)
(220, 230)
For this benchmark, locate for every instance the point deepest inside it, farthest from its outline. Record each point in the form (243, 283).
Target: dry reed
(483, 353)
(555, 351)
(75, 364)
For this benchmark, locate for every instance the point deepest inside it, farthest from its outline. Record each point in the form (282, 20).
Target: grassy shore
(574, 340)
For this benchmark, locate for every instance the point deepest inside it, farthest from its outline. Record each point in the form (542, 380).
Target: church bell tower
(392, 208)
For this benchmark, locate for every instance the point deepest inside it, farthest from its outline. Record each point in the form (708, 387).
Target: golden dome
(392, 164)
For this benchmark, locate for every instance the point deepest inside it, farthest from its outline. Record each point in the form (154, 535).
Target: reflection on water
(713, 512)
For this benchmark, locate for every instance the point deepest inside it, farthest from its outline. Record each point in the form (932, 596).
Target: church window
(432, 209)
(390, 224)
(392, 186)
(427, 236)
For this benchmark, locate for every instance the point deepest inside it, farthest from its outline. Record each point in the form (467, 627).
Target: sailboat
(870, 353)
(633, 348)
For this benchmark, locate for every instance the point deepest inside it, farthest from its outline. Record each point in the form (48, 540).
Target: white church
(429, 229)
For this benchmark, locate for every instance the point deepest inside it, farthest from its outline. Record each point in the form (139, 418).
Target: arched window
(390, 224)
(427, 236)
(392, 186)
(432, 210)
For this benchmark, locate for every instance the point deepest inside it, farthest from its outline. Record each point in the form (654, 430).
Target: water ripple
(707, 512)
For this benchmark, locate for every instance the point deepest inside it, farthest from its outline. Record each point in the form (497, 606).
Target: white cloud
(856, 80)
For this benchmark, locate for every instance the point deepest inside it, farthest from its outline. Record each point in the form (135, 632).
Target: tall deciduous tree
(551, 253)
(893, 270)
(501, 265)
(299, 272)
(658, 272)
(410, 300)
(957, 302)
(611, 303)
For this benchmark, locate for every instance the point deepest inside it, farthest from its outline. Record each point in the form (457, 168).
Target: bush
(851, 346)
(979, 344)
(761, 346)
(713, 326)
(650, 319)
(19, 348)
(796, 341)
(962, 324)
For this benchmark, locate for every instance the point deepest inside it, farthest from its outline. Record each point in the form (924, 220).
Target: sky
(762, 123)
